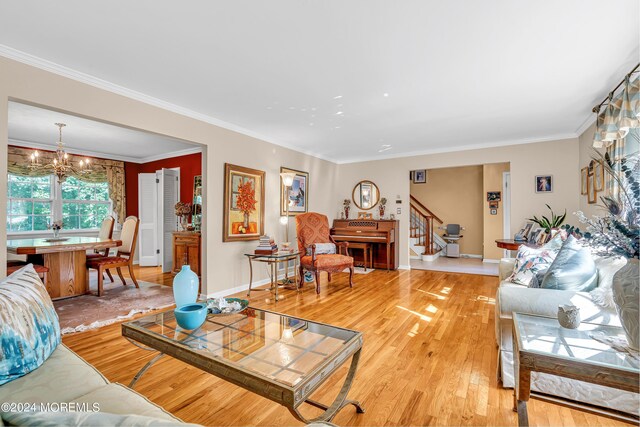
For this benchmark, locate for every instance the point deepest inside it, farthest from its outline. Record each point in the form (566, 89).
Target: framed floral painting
(243, 208)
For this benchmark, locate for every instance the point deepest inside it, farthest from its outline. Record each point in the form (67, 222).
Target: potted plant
(383, 203)
(550, 223)
(183, 210)
(346, 203)
(55, 226)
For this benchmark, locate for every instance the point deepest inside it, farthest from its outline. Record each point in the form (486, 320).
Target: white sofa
(512, 297)
(65, 377)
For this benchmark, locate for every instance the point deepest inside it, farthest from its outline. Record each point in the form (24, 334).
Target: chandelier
(61, 165)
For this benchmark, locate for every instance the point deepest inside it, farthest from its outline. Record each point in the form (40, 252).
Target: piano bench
(367, 249)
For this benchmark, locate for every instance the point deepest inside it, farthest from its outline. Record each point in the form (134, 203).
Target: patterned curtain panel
(102, 170)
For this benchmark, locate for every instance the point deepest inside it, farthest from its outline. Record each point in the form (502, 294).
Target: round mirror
(366, 195)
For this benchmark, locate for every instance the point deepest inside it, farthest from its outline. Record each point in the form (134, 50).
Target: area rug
(359, 270)
(117, 304)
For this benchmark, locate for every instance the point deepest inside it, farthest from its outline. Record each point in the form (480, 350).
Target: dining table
(66, 259)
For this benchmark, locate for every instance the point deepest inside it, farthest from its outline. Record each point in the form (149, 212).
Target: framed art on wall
(598, 176)
(584, 174)
(544, 183)
(494, 196)
(298, 193)
(420, 176)
(592, 196)
(243, 206)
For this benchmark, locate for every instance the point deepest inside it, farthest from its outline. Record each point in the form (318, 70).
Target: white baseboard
(470, 256)
(404, 267)
(415, 257)
(491, 261)
(244, 287)
(431, 257)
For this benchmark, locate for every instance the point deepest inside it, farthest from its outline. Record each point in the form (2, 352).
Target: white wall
(225, 265)
(558, 158)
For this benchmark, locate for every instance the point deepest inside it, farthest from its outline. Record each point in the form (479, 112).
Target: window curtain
(102, 170)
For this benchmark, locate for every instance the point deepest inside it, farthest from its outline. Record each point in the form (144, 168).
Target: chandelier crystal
(61, 165)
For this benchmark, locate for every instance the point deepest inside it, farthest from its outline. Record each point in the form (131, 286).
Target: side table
(273, 260)
(542, 345)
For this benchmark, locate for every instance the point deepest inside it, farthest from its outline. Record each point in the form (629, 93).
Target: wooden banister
(425, 209)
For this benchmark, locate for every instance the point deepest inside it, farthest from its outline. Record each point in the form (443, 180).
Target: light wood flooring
(429, 357)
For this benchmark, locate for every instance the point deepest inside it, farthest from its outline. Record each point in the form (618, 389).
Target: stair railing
(421, 225)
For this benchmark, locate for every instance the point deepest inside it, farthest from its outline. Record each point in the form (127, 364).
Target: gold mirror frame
(357, 202)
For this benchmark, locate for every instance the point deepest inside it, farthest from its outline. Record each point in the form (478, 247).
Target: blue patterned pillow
(29, 327)
(529, 262)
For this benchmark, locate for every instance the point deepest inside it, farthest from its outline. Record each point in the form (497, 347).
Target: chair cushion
(95, 256)
(573, 269)
(323, 249)
(328, 262)
(64, 376)
(29, 327)
(40, 269)
(108, 260)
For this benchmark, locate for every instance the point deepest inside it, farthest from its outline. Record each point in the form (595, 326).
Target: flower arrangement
(246, 202)
(55, 226)
(183, 210)
(346, 203)
(383, 204)
(617, 233)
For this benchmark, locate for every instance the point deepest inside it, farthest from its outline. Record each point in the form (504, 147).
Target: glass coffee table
(542, 345)
(279, 357)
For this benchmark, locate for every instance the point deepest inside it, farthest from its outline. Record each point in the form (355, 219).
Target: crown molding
(100, 155)
(61, 70)
(558, 137)
(585, 125)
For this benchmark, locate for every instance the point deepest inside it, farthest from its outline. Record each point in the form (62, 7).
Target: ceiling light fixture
(386, 95)
(60, 165)
(337, 97)
(384, 148)
(339, 113)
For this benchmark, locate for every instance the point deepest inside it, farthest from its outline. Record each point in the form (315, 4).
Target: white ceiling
(312, 74)
(34, 127)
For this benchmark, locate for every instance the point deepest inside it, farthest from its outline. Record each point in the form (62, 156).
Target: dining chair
(106, 232)
(41, 270)
(312, 230)
(124, 256)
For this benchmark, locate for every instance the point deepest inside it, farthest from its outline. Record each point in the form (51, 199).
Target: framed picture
(527, 230)
(584, 174)
(494, 204)
(243, 206)
(298, 193)
(365, 215)
(420, 176)
(544, 183)
(493, 211)
(533, 236)
(592, 194)
(598, 176)
(542, 238)
(494, 196)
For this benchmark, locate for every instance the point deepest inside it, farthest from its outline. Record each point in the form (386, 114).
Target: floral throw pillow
(529, 262)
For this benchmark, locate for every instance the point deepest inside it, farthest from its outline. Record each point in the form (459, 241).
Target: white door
(168, 196)
(148, 248)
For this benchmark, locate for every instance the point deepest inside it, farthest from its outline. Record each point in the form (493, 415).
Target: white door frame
(151, 260)
(506, 207)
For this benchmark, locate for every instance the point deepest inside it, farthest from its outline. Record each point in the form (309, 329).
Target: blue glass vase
(185, 287)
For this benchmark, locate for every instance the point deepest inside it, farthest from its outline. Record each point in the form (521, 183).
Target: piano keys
(382, 234)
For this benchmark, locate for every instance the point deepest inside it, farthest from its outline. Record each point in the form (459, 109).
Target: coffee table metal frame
(527, 361)
(292, 397)
(274, 260)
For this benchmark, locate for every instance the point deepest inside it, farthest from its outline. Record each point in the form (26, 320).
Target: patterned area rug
(117, 304)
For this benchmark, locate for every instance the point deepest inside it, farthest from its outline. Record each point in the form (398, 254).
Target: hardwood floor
(429, 357)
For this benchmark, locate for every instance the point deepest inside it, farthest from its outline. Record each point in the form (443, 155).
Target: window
(29, 203)
(84, 205)
(34, 202)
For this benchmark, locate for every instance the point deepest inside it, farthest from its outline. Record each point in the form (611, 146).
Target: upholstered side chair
(312, 230)
(124, 257)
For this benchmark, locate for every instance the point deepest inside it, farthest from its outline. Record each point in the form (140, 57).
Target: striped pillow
(29, 327)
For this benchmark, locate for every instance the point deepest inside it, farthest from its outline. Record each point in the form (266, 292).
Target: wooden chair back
(129, 236)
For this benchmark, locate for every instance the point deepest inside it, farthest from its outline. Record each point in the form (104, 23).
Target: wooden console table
(510, 244)
(187, 251)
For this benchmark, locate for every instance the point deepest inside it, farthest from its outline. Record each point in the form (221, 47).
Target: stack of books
(267, 246)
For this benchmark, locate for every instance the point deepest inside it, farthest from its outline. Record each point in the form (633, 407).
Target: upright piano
(381, 233)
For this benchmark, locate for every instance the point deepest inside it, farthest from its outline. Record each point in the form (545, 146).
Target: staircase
(424, 243)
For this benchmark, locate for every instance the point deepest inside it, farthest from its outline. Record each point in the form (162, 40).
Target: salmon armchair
(312, 229)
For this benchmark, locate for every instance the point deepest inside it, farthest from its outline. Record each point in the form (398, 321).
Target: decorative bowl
(191, 316)
(214, 307)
